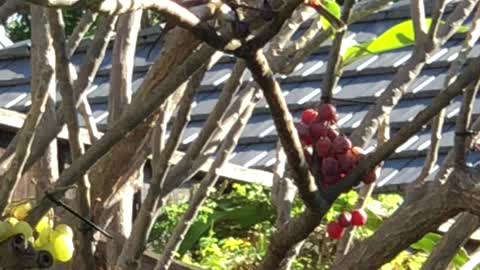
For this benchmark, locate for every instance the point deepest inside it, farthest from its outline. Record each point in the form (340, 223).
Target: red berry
(329, 180)
(327, 113)
(330, 167)
(345, 220)
(370, 177)
(322, 147)
(304, 133)
(318, 129)
(346, 162)
(335, 230)
(308, 116)
(331, 134)
(359, 217)
(341, 145)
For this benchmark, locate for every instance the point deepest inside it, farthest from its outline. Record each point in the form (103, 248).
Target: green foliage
(233, 229)
(19, 29)
(399, 36)
(333, 8)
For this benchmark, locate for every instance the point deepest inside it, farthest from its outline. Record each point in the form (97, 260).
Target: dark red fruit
(335, 231)
(341, 145)
(346, 162)
(304, 133)
(370, 177)
(318, 129)
(331, 134)
(327, 113)
(329, 180)
(345, 220)
(308, 116)
(323, 146)
(359, 217)
(330, 167)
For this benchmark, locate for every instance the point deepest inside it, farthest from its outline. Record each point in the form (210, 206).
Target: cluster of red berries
(336, 229)
(331, 156)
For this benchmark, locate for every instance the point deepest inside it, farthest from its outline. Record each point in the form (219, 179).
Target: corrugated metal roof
(363, 80)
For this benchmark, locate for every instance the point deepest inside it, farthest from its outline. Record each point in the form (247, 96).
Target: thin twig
(463, 124)
(438, 121)
(334, 72)
(135, 114)
(205, 188)
(75, 143)
(79, 31)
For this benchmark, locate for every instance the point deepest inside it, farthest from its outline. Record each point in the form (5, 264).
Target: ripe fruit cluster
(57, 241)
(331, 156)
(336, 229)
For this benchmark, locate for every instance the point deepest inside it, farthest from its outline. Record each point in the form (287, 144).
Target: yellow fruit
(44, 237)
(5, 230)
(23, 228)
(63, 248)
(64, 229)
(21, 212)
(43, 224)
(12, 220)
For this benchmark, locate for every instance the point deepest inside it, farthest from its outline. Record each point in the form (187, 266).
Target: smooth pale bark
(43, 72)
(120, 96)
(84, 238)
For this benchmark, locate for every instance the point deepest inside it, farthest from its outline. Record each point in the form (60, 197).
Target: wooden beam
(12, 121)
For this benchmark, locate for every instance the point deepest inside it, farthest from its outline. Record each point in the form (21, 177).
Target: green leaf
(399, 36)
(427, 243)
(333, 8)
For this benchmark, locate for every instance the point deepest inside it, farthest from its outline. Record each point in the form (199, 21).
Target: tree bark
(451, 242)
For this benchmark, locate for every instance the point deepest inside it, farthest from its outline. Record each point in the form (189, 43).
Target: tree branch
(333, 73)
(451, 242)
(146, 217)
(438, 121)
(85, 237)
(463, 125)
(406, 74)
(417, 10)
(135, 113)
(205, 188)
(287, 134)
(43, 72)
(79, 31)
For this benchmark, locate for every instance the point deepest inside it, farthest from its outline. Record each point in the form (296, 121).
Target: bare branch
(458, 234)
(437, 123)
(406, 74)
(417, 10)
(333, 73)
(43, 72)
(287, 134)
(139, 110)
(9, 8)
(290, 235)
(437, 14)
(463, 125)
(79, 32)
(345, 244)
(123, 63)
(207, 133)
(136, 243)
(68, 98)
(205, 188)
